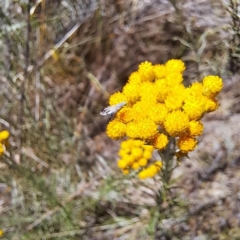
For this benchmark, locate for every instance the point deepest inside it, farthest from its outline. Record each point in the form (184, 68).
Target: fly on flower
(111, 110)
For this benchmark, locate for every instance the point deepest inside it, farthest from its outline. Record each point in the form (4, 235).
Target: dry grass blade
(63, 203)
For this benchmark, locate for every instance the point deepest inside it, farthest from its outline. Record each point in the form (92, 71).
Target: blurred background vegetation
(60, 60)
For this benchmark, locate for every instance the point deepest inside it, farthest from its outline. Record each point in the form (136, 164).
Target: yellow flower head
(143, 162)
(135, 78)
(211, 105)
(150, 171)
(117, 98)
(160, 71)
(137, 152)
(146, 71)
(148, 92)
(160, 141)
(4, 135)
(140, 110)
(131, 92)
(135, 165)
(122, 164)
(144, 129)
(174, 102)
(175, 65)
(116, 129)
(134, 154)
(186, 144)
(175, 97)
(158, 113)
(176, 123)
(125, 115)
(195, 128)
(195, 89)
(147, 154)
(173, 78)
(130, 143)
(162, 89)
(148, 148)
(212, 85)
(194, 107)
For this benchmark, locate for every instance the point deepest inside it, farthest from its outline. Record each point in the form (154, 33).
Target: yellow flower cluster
(134, 154)
(158, 106)
(4, 135)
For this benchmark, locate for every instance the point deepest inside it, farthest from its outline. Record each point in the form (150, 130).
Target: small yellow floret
(211, 105)
(147, 154)
(143, 162)
(174, 101)
(195, 89)
(134, 154)
(148, 148)
(194, 107)
(144, 129)
(195, 128)
(143, 174)
(212, 85)
(138, 143)
(175, 65)
(160, 71)
(4, 135)
(186, 144)
(135, 78)
(1, 233)
(149, 93)
(125, 115)
(173, 78)
(157, 113)
(116, 129)
(127, 144)
(160, 141)
(117, 98)
(137, 152)
(122, 164)
(135, 165)
(150, 171)
(131, 92)
(124, 151)
(162, 88)
(146, 71)
(158, 164)
(140, 110)
(176, 123)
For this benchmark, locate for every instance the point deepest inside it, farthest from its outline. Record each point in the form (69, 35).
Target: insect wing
(110, 110)
(107, 111)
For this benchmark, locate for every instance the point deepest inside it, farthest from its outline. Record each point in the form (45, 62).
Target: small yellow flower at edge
(116, 129)
(4, 135)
